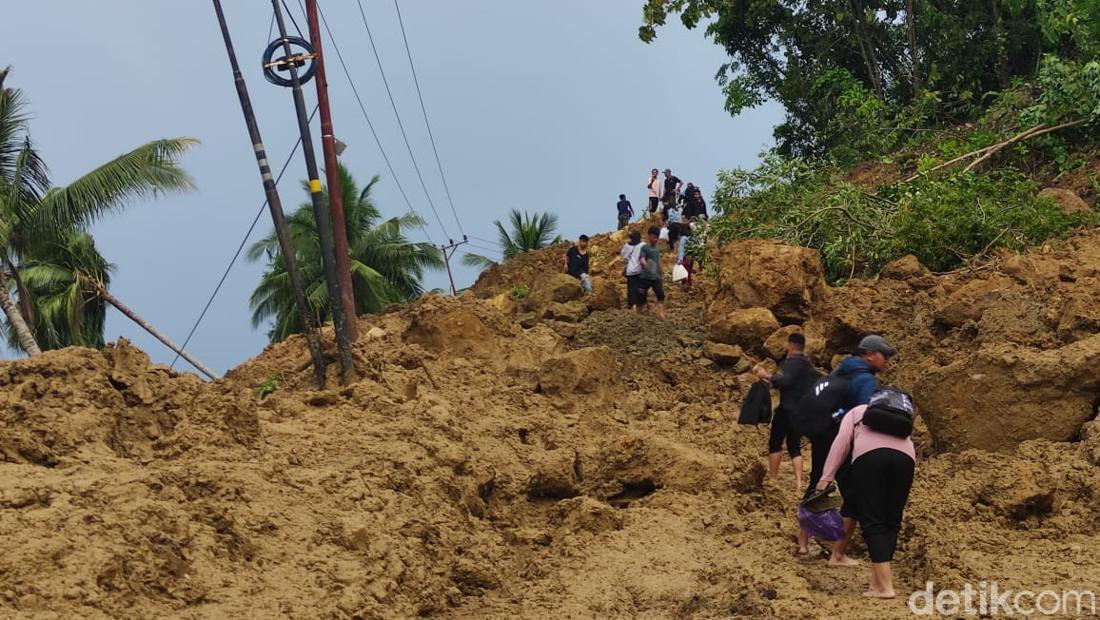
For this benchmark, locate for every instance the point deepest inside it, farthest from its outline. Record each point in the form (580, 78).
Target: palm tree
(529, 232)
(385, 267)
(61, 276)
(35, 215)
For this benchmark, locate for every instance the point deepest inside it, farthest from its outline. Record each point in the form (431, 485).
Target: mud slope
(546, 457)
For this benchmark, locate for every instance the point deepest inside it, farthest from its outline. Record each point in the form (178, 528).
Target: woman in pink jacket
(881, 475)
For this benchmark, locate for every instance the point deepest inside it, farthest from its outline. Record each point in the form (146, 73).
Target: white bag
(664, 233)
(679, 272)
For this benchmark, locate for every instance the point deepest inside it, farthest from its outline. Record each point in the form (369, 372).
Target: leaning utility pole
(320, 213)
(332, 175)
(448, 252)
(275, 205)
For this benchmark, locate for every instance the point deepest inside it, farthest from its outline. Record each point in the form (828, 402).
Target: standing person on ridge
(671, 193)
(625, 211)
(576, 263)
(653, 185)
(632, 255)
(650, 278)
(859, 370)
(882, 467)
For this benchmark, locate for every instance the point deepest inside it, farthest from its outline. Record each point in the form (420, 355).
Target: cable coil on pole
(306, 58)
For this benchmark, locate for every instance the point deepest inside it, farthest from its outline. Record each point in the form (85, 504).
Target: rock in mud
(554, 288)
(605, 295)
(1002, 395)
(747, 327)
(726, 354)
(1066, 200)
(785, 279)
(909, 270)
(775, 346)
(585, 371)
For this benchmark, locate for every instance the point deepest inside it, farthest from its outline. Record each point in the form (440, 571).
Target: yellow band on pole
(314, 185)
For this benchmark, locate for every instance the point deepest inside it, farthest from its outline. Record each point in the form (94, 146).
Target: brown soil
(478, 468)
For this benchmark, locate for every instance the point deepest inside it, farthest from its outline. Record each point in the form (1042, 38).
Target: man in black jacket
(795, 377)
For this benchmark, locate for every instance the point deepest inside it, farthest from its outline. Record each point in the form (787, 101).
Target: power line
(496, 242)
(240, 248)
(424, 111)
(400, 124)
(291, 16)
(366, 117)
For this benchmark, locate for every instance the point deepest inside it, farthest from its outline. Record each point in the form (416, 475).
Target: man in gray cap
(859, 370)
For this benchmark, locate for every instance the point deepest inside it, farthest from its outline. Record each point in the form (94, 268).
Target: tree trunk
(25, 304)
(1002, 53)
(15, 319)
(130, 314)
(866, 47)
(914, 55)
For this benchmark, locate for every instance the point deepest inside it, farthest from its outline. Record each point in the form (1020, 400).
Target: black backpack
(890, 411)
(757, 406)
(814, 414)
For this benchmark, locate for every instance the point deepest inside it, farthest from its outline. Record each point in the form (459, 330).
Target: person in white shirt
(654, 185)
(632, 254)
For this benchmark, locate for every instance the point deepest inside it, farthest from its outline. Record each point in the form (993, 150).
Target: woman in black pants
(880, 477)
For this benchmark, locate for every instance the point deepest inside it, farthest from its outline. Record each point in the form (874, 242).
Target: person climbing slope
(882, 466)
(794, 379)
(625, 211)
(632, 255)
(858, 370)
(650, 277)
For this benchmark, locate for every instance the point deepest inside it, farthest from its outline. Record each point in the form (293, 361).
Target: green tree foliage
(872, 59)
(943, 221)
(60, 275)
(43, 229)
(526, 232)
(385, 267)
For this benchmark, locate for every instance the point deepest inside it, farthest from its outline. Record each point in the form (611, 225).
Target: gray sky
(544, 105)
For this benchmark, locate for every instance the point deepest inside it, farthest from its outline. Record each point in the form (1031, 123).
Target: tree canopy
(822, 58)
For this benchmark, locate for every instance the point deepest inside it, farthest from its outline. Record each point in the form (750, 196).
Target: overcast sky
(543, 105)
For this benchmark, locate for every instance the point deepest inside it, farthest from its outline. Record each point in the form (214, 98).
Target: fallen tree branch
(1025, 136)
(984, 153)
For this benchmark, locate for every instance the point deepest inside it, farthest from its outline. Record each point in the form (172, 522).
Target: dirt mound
(481, 468)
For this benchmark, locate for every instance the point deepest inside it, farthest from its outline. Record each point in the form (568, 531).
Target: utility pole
(332, 175)
(275, 206)
(320, 213)
(448, 252)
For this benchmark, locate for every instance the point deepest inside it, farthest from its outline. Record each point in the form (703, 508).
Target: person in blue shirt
(871, 358)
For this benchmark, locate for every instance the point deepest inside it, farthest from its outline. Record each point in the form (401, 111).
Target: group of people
(872, 470)
(683, 209)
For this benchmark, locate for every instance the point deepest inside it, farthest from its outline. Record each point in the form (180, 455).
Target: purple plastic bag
(827, 524)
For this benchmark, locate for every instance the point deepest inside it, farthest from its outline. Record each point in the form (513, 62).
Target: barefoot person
(859, 370)
(881, 476)
(650, 278)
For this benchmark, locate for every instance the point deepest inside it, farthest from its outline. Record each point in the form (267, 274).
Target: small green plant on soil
(268, 387)
(519, 291)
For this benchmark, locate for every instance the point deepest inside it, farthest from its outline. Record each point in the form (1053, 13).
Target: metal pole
(447, 261)
(320, 213)
(332, 176)
(275, 206)
(448, 252)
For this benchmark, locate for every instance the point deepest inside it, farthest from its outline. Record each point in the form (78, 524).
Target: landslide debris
(490, 463)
